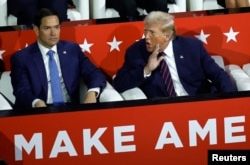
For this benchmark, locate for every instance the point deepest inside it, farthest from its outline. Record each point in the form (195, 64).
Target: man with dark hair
(49, 71)
(128, 8)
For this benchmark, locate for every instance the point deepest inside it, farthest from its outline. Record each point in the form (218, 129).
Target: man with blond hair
(166, 65)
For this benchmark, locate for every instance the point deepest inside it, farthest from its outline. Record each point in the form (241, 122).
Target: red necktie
(166, 76)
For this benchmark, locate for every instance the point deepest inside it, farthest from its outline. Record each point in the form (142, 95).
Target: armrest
(182, 5)
(133, 94)
(4, 104)
(241, 78)
(73, 14)
(98, 8)
(195, 4)
(83, 7)
(3, 13)
(219, 60)
(246, 68)
(6, 87)
(109, 94)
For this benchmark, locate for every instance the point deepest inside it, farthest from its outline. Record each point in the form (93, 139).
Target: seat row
(94, 9)
(241, 76)
(109, 94)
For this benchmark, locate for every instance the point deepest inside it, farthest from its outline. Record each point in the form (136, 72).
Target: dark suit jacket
(194, 67)
(25, 10)
(28, 75)
(128, 8)
(222, 3)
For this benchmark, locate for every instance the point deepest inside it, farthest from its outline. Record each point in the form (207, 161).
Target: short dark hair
(44, 12)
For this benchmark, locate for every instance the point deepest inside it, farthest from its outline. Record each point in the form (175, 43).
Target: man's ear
(169, 35)
(36, 30)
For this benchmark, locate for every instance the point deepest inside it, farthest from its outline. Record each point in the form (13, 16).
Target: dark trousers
(128, 8)
(25, 10)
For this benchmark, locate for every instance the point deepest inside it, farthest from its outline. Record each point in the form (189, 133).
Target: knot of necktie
(50, 53)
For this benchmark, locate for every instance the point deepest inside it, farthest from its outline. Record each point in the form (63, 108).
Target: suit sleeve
(92, 76)
(131, 74)
(217, 75)
(20, 82)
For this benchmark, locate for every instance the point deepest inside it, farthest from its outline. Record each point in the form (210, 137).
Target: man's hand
(90, 97)
(153, 61)
(40, 104)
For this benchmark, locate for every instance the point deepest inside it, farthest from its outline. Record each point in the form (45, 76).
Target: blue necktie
(56, 88)
(166, 76)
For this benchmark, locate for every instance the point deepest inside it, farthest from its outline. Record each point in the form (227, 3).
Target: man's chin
(149, 49)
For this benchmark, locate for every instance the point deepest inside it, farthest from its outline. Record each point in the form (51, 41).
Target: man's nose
(147, 35)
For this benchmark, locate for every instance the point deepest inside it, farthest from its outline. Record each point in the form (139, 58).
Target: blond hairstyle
(162, 18)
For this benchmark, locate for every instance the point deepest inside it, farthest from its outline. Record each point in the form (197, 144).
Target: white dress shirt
(170, 60)
(45, 57)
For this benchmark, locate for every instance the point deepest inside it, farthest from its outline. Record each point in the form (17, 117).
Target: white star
(231, 35)
(1, 54)
(114, 44)
(86, 46)
(203, 37)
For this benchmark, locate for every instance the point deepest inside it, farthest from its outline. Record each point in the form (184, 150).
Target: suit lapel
(178, 55)
(39, 65)
(64, 61)
(180, 60)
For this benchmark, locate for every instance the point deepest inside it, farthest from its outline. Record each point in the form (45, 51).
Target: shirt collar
(44, 49)
(169, 49)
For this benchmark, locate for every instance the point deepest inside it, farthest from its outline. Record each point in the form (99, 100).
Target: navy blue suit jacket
(25, 10)
(194, 67)
(28, 74)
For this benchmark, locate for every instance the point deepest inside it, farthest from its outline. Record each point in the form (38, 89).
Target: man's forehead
(50, 20)
(152, 26)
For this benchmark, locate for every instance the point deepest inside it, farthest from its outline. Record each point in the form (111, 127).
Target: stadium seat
(4, 104)
(108, 94)
(133, 94)
(219, 60)
(98, 9)
(3, 12)
(6, 87)
(246, 68)
(195, 5)
(240, 77)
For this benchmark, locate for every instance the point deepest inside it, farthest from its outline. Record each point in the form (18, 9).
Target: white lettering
(21, 143)
(93, 141)
(230, 130)
(62, 138)
(195, 128)
(119, 139)
(228, 158)
(168, 128)
(215, 157)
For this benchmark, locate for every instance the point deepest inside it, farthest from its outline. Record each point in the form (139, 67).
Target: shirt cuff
(146, 75)
(97, 90)
(34, 102)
